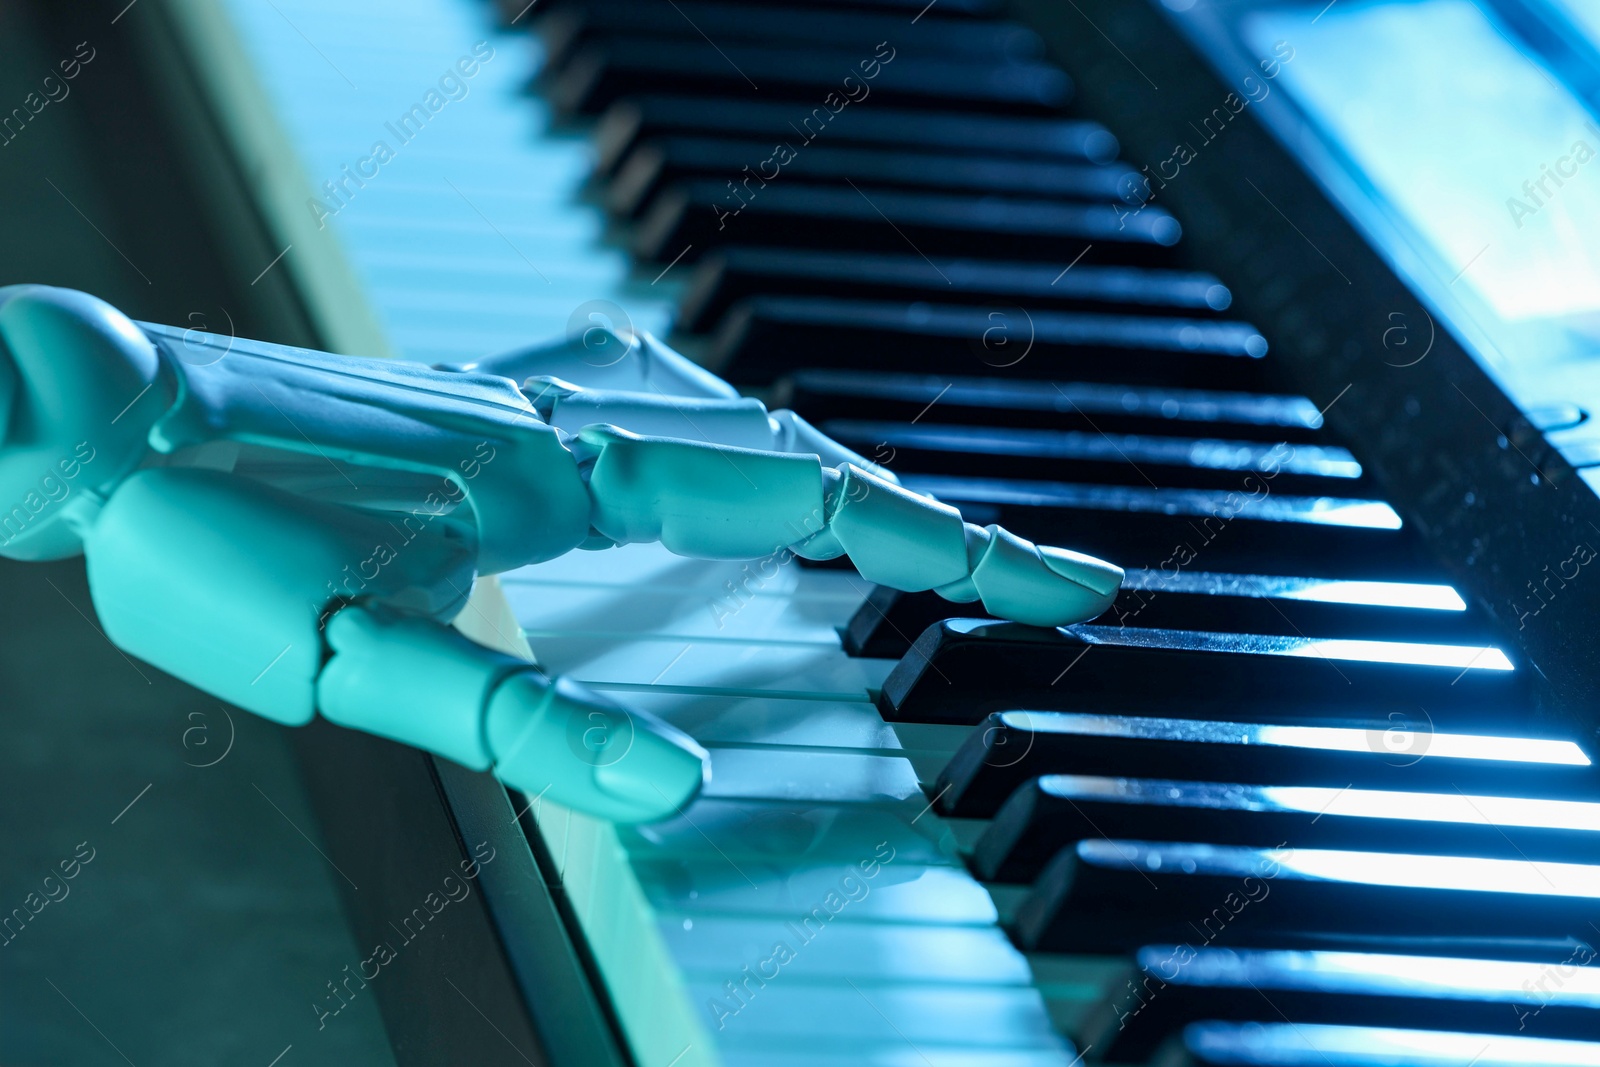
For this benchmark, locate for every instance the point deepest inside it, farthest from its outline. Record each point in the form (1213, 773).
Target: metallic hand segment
(293, 531)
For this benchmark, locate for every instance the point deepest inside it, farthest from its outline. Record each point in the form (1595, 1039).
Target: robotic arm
(293, 531)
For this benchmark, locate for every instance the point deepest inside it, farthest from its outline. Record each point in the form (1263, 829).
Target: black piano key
(833, 80)
(1113, 896)
(1279, 1044)
(1097, 456)
(630, 121)
(889, 621)
(691, 218)
(1112, 408)
(1056, 811)
(730, 275)
(961, 669)
(1242, 530)
(765, 337)
(1009, 748)
(1319, 607)
(1171, 986)
(655, 165)
(571, 28)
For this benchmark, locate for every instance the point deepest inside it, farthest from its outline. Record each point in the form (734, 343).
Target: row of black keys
(1049, 782)
(877, 247)
(1365, 877)
(1150, 474)
(1084, 808)
(907, 193)
(868, 131)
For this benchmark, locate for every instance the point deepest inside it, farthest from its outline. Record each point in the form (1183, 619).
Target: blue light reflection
(1396, 869)
(1319, 1045)
(1438, 807)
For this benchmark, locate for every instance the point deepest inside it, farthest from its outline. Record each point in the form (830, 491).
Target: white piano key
(833, 1016)
(730, 720)
(815, 897)
(591, 611)
(805, 775)
(522, 297)
(705, 948)
(737, 667)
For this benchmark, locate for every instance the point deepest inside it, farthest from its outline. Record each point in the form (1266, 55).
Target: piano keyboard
(1289, 802)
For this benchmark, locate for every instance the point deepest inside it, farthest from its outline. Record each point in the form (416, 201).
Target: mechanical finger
(726, 503)
(416, 681)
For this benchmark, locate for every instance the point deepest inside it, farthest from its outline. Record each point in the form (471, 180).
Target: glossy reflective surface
(1333, 738)
(1289, 1045)
(1345, 801)
(1320, 511)
(1463, 657)
(1463, 873)
(1439, 745)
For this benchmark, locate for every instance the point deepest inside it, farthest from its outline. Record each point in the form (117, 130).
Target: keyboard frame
(1458, 462)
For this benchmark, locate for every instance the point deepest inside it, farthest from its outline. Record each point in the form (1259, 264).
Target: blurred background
(206, 923)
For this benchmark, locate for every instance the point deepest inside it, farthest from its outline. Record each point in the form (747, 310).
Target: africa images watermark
(452, 890)
(758, 573)
(1142, 186)
(754, 576)
(852, 888)
(353, 579)
(53, 889)
(1256, 488)
(1551, 584)
(452, 85)
(854, 90)
(1536, 192)
(52, 90)
(1538, 991)
(1253, 889)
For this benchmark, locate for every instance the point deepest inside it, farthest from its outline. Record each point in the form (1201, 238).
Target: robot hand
(293, 531)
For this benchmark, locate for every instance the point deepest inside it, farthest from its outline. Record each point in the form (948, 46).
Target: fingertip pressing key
(1041, 585)
(559, 741)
